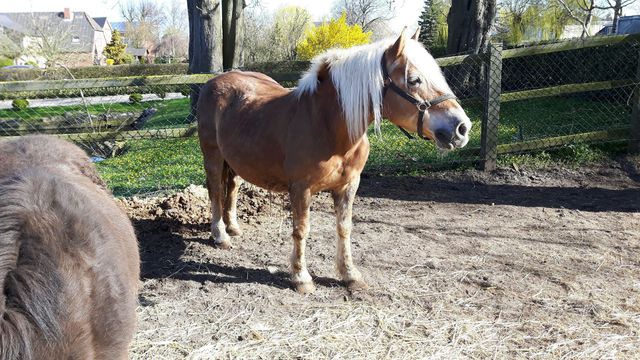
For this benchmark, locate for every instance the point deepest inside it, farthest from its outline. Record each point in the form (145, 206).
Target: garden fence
(534, 98)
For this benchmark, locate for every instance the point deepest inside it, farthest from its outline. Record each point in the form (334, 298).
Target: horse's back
(70, 266)
(42, 150)
(245, 117)
(237, 92)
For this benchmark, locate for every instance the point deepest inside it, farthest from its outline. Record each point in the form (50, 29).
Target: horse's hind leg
(214, 167)
(230, 215)
(343, 205)
(300, 201)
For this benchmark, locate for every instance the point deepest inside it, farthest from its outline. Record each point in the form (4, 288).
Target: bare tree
(50, 39)
(274, 37)
(176, 19)
(144, 20)
(366, 13)
(257, 35)
(174, 43)
(289, 26)
(582, 11)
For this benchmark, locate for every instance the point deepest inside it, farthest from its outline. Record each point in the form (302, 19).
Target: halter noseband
(422, 105)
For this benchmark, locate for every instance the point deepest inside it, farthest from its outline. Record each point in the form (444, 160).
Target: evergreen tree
(115, 50)
(428, 25)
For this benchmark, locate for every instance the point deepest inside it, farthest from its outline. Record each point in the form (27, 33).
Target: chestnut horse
(314, 138)
(69, 263)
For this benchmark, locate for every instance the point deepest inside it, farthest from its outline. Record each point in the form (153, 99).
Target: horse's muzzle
(453, 137)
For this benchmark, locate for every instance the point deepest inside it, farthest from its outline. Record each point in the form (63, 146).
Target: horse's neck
(326, 113)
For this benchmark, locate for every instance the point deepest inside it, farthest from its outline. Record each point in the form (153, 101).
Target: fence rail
(524, 99)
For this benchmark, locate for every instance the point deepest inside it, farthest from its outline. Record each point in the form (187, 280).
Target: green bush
(5, 61)
(20, 104)
(90, 72)
(135, 98)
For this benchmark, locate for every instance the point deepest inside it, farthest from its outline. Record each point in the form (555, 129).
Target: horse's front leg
(343, 205)
(300, 197)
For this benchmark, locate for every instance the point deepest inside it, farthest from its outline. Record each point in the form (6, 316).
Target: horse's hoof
(234, 230)
(357, 285)
(305, 288)
(222, 244)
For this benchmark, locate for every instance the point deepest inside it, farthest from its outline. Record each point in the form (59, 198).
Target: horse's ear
(398, 46)
(417, 34)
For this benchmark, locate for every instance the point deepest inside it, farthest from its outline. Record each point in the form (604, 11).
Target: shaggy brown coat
(69, 262)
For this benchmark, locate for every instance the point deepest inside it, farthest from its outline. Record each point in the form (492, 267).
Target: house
(67, 38)
(626, 25)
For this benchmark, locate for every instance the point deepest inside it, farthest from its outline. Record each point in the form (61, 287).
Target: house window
(75, 39)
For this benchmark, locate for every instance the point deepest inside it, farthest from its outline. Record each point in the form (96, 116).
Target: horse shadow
(163, 256)
(408, 188)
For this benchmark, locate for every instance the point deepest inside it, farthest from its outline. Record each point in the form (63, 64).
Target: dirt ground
(514, 264)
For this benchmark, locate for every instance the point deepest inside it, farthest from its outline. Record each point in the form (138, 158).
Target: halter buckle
(423, 106)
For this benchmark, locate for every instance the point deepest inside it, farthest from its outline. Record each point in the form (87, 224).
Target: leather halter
(422, 105)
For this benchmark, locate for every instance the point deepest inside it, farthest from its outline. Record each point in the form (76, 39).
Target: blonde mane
(357, 77)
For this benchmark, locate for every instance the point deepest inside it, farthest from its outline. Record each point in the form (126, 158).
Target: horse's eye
(415, 80)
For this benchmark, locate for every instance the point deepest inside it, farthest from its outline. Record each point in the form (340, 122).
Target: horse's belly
(259, 173)
(327, 176)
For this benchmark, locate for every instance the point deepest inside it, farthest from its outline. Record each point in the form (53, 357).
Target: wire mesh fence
(141, 130)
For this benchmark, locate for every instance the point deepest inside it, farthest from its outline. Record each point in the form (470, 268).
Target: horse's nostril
(462, 129)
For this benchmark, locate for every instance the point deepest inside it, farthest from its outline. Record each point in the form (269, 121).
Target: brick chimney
(67, 14)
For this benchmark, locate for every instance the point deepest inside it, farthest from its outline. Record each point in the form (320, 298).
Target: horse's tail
(30, 282)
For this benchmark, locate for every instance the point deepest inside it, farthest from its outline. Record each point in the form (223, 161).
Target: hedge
(93, 72)
(290, 67)
(136, 70)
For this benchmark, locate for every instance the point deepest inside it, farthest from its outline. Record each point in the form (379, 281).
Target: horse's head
(417, 96)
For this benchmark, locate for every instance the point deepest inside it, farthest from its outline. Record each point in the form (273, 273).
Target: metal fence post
(634, 142)
(491, 106)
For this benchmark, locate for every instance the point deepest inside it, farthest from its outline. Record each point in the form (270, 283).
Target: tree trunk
(469, 24)
(233, 30)
(617, 12)
(587, 25)
(205, 37)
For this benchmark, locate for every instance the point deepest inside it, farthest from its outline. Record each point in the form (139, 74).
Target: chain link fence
(141, 133)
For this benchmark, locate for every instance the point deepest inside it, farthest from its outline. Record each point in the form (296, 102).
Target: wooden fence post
(491, 106)
(634, 142)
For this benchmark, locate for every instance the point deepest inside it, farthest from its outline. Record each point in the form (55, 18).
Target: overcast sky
(407, 13)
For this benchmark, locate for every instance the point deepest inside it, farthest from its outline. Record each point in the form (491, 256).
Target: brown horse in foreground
(314, 138)
(69, 263)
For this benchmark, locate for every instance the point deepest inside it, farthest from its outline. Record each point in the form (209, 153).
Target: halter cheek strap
(422, 105)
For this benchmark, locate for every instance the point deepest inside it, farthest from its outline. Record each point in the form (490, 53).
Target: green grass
(156, 165)
(546, 117)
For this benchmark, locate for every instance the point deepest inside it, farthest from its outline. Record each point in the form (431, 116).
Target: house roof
(100, 21)
(6, 22)
(80, 30)
(119, 25)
